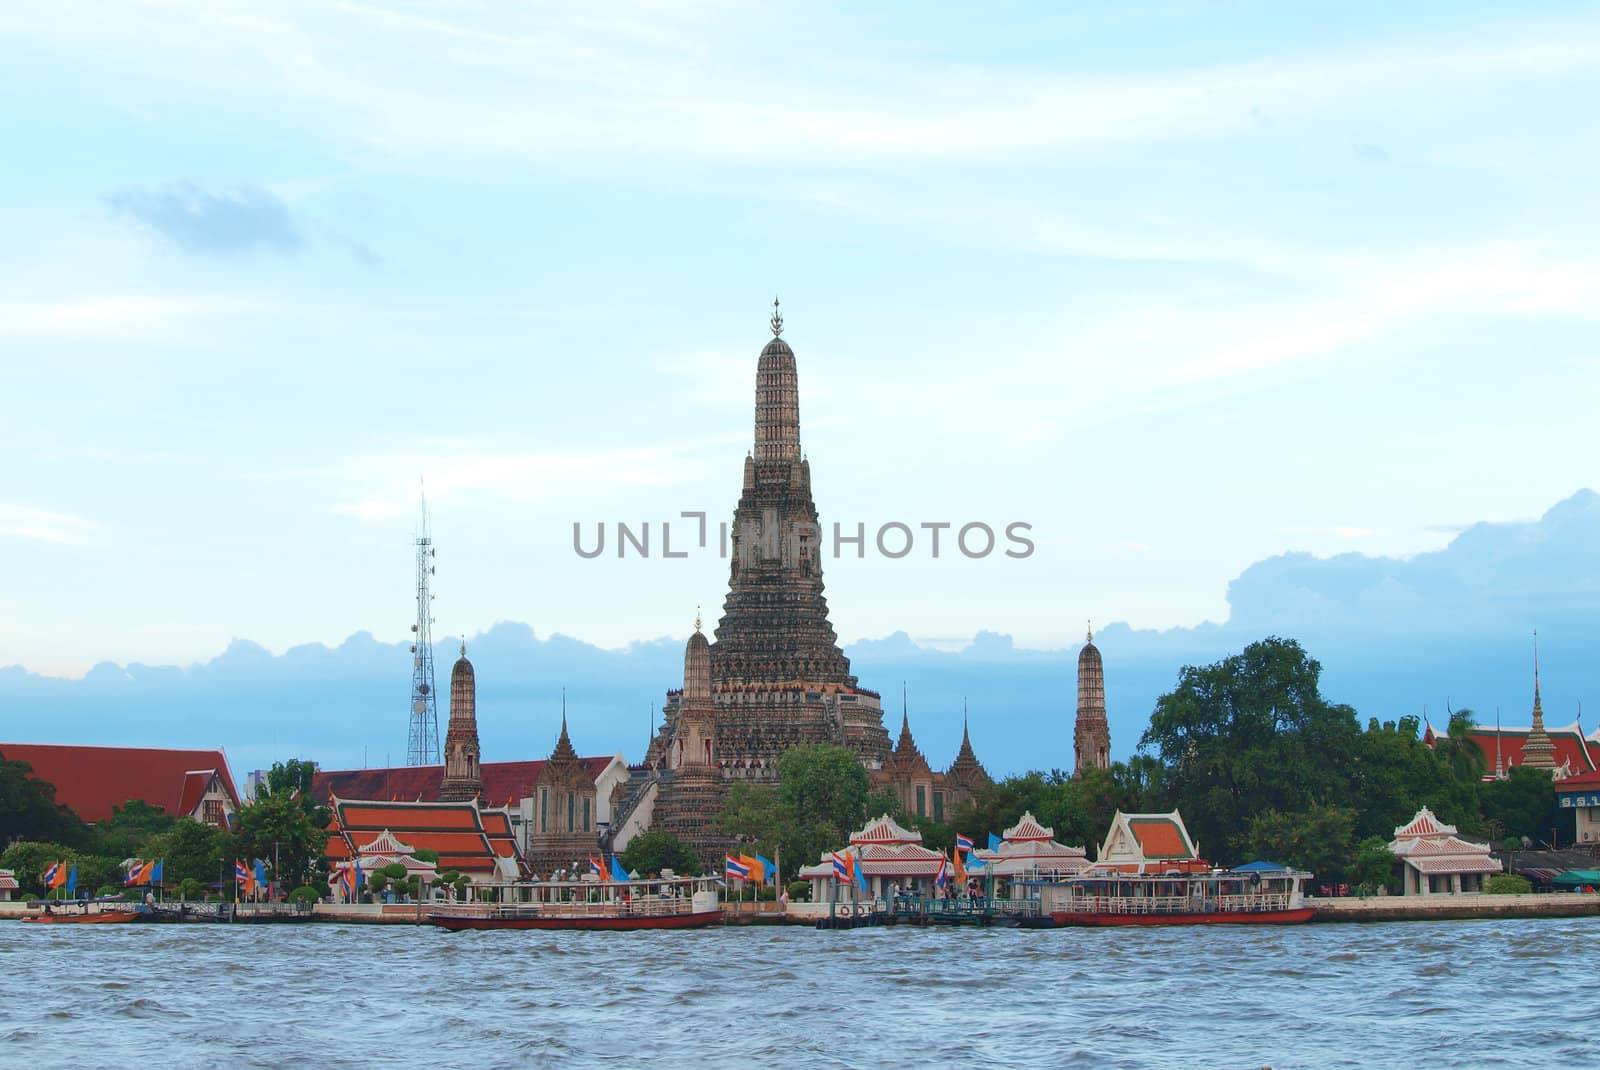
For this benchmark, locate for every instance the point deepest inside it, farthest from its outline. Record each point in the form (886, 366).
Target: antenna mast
(422, 746)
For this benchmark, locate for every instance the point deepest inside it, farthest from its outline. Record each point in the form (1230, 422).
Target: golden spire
(777, 318)
(1088, 635)
(696, 618)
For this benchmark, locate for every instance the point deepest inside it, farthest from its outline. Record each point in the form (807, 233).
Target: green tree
(657, 849)
(1396, 774)
(283, 825)
(1508, 884)
(29, 811)
(1246, 735)
(191, 851)
(1524, 802)
(1373, 866)
(1316, 839)
(125, 833)
(28, 859)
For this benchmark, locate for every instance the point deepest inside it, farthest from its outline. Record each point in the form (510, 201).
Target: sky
(1182, 287)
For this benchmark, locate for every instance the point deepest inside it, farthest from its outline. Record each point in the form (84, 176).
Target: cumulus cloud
(199, 221)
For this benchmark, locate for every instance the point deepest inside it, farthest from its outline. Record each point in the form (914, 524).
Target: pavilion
(1027, 849)
(887, 854)
(1436, 859)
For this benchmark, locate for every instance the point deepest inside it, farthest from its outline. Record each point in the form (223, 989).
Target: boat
(661, 903)
(1259, 894)
(103, 916)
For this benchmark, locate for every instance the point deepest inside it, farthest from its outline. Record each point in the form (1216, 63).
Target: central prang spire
(777, 399)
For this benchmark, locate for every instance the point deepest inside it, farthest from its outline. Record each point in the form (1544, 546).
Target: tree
(1508, 884)
(29, 811)
(657, 849)
(283, 825)
(1524, 803)
(28, 859)
(130, 826)
(1396, 774)
(1373, 867)
(190, 851)
(1249, 734)
(1316, 839)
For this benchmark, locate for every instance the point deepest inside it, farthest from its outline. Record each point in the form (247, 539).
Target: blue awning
(1259, 867)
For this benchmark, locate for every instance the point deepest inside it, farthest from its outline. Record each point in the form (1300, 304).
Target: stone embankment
(1446, 906)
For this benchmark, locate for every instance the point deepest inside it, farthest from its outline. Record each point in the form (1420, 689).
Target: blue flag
(974, 862)
(861, 873)
(769, 869)
(155, 871)
(994, 842)
(72, 880)
(261, 874)
(618, 874)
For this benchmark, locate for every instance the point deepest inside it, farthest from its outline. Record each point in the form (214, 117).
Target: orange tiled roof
(1159, 838)
(463, 836)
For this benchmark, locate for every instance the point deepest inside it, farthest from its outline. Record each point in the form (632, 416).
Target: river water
(1488, 993)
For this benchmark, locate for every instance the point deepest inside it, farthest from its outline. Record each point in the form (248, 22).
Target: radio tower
(423, 746)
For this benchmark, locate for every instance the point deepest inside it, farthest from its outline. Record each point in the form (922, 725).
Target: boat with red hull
(664, 903)
(101, 917)
(1259, 894)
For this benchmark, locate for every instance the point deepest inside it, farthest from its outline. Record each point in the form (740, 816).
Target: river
(1489, 993)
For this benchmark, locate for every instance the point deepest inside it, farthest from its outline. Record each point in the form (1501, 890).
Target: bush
(1508, 884)
(800, 890)
(303, 894)
(108, 889)
(189, 888)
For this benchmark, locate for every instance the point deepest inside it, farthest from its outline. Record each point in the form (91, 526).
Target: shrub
(800, 890)
(1508, 884)
(303, 894)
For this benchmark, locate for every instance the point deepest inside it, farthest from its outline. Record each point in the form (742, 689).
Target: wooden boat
(100, 917)
(1248, 896)
(664, 903)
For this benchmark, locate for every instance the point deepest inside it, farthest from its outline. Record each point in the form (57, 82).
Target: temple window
(938, 806)
(586, 815)
(572, 807)
(922, 801)
(544, 809)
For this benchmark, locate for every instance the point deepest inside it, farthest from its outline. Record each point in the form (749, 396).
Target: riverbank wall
(1453, 906)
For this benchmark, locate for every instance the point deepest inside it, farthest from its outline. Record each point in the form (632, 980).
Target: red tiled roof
(503, 782)
(1028, 829)
(885, 830)
(91, 780)
(1579, 782)
(1572, 749)
(1423, 824)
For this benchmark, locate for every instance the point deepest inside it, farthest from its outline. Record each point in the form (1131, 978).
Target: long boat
(664, 903)
(100, 917)
(1251, 896)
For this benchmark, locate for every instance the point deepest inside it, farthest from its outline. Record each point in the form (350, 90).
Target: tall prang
(1091, 736)
(462, 777)
(778, 677)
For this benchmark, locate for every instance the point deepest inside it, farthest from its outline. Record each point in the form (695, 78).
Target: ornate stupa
(1537, 750)
(1091, 736)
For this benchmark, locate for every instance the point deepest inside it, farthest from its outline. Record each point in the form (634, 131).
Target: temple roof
(93, 780)
(885, 830)
(464, 836)
(504, 783)
(1027, 828)
(1137, 839)
(1574, 751)
(1423, 824)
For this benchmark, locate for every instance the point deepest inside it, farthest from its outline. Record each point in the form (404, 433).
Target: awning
(1577, 878)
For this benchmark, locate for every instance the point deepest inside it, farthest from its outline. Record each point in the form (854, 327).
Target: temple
(920, 790)
(461, 776)
(1091, 736)
(1149, 843)
(474, 841)
(889, 856)
(774, 676)
(1564, 751)
(1028, 848)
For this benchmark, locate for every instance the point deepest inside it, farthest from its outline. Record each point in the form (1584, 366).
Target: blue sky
(1182, 286)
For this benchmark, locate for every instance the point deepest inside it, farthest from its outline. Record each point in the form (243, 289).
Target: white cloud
(112, 316)
(42, 525)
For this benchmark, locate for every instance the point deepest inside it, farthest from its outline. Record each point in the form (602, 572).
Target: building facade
(462, 777)
(1091, 734)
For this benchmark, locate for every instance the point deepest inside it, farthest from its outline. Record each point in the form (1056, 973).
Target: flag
(769, 868)
(72, 880)
(596, 868)
(861, 875)
(241, 873)
(155, 872)
(735, 868)
(841, 867)
(138, 873)
(754, 867)
(960, 870)
(618, 874)
(963, 843)
(943, 876)
(994, 842)
(974, 862)
(261, 875)
(49, 877)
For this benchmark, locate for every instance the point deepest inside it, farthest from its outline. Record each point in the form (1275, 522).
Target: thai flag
(841, 868)
(138, 873)
(596, 868)
(943, 876)
(963, 843)
(241, 873)
(735, 869)
(50, 874)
